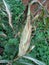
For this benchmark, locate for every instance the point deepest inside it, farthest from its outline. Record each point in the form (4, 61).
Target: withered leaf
(25, 38)
(9, 14)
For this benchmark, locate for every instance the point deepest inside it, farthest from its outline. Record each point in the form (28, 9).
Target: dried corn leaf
(9, 14)
(25, 38)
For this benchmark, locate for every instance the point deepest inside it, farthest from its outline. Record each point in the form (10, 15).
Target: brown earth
(35, 6)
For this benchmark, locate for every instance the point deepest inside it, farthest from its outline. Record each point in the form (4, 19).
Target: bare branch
(17, 34)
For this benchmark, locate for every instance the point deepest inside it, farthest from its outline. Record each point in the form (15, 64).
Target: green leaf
(34, 60)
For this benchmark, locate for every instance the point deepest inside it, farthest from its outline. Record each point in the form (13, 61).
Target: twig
(45, 9)
(17, 34)
(16, 58)
(36, 17)
(31, 48)
(41, 5)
